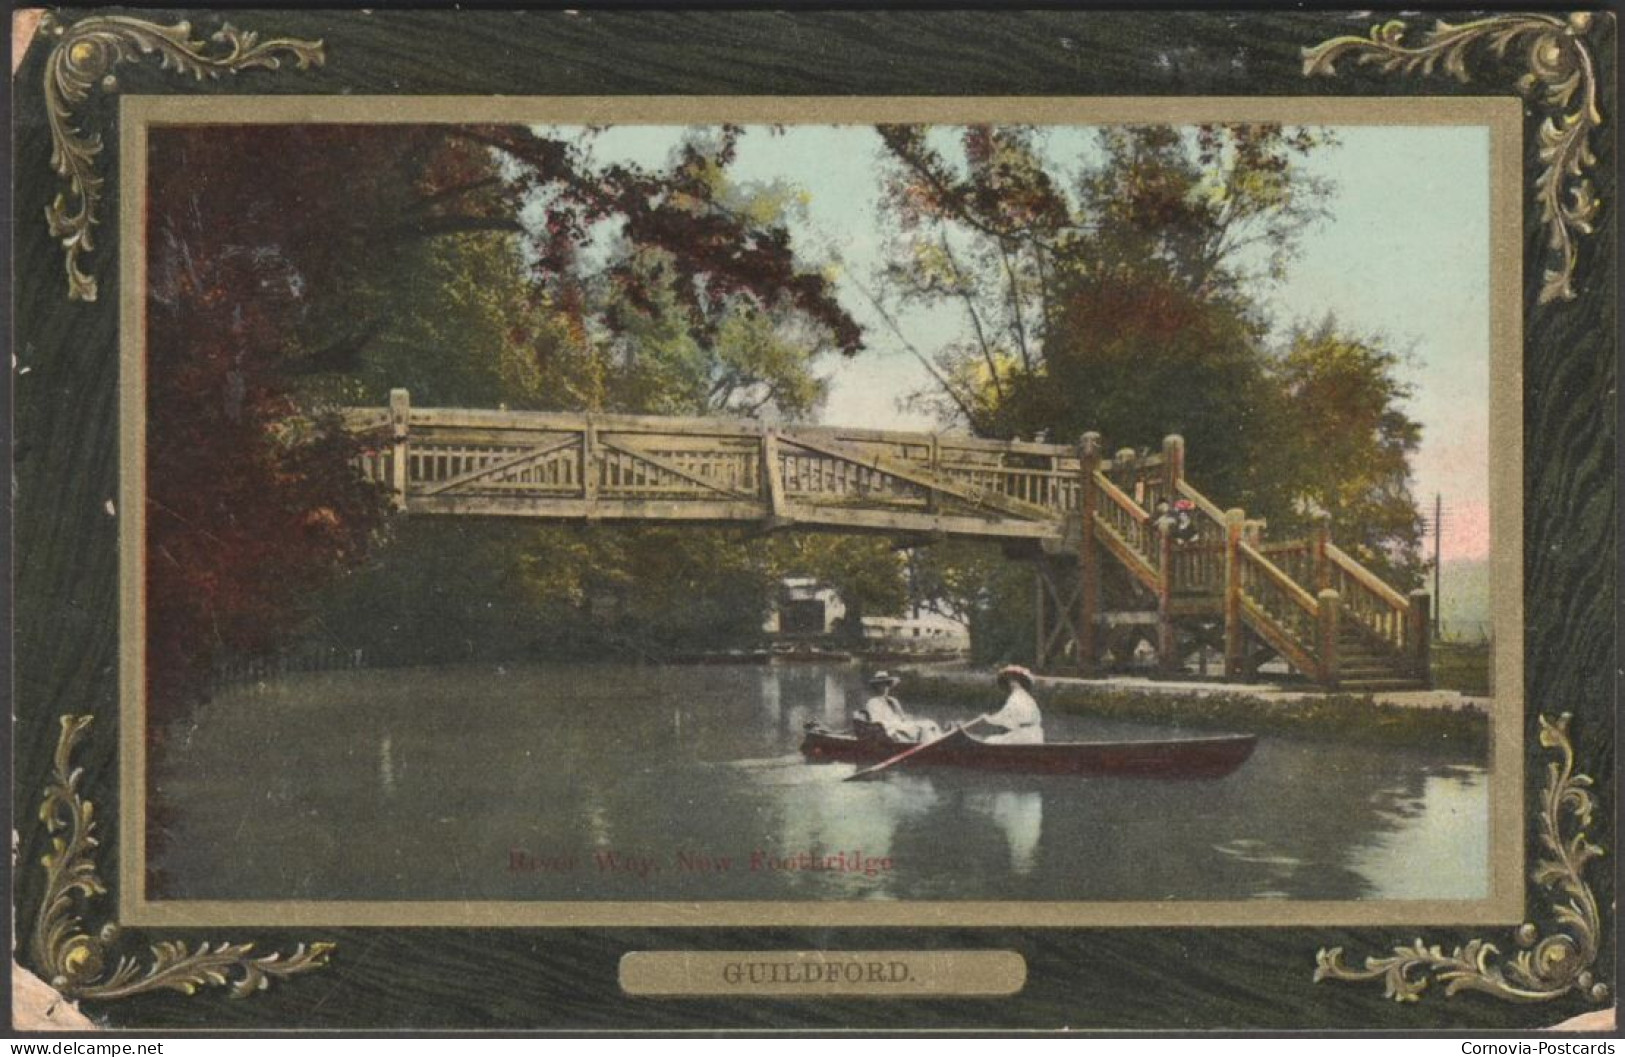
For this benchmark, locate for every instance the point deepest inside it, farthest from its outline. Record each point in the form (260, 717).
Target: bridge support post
(1235, 639)
(1167, 635)
(1088, 554)
(1124, 469)
(1419, 636)
(1322, 537)
(1173, 465)
(590, 467)
(1329, 603)
(1040, 625)
(400, 413)
(778, 515)
(1056, 603)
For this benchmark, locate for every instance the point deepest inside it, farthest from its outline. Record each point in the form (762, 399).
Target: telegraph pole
(1438, 521)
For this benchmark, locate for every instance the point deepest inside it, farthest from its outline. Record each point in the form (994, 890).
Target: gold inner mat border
(1500, 115)
(876, 974)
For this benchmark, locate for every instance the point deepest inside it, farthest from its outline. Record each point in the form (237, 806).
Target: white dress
(885, 711)
(1020, 717)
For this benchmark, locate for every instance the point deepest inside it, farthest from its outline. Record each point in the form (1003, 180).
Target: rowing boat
(1210, 757)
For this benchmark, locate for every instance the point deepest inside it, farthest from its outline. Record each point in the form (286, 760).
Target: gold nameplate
(866, 973)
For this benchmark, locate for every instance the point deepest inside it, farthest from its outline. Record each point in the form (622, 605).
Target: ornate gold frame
(1562, 73)
(73, 960)
(1543, 969)
(85, 55)
(1560, 70)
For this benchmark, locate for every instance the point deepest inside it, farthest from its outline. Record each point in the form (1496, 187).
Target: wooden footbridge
(1085, 520)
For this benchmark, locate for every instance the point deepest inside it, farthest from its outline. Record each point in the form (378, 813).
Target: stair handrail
(1121, 498)
(1294, 590)
(1202, 502)
(1140, 540)
(1366, 578)
(1305, 648)
(1372, 604)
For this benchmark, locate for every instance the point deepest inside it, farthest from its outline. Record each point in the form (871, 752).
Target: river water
(663, 783)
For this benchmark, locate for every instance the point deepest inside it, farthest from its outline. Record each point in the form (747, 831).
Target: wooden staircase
(1305, 601)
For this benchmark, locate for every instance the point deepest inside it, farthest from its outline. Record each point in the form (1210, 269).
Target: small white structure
(804, 607)
(926, 632)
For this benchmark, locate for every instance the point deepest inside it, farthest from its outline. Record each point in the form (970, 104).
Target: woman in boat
(886, 712)
(1020, 719)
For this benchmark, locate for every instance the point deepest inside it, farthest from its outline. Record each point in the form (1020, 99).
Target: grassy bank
(1463, 666)
(1344, 718)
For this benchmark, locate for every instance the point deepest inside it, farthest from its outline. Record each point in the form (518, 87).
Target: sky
(1404, 256)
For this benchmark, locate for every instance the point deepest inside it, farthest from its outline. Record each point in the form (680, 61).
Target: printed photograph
(817, 513)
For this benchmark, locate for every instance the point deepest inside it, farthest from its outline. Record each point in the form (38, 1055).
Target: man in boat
(885, 712)
(1019, 719)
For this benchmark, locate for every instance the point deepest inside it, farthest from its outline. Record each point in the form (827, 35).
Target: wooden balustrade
(1370, 604)
(564, 465)
(1125, 518)
(1197, 568)
(1284, 613)
(1293, 594)
(1296, 558)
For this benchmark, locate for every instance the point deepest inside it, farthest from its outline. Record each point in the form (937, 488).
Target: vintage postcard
(519, 514)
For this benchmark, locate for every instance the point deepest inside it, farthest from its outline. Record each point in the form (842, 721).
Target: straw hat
(1017, 673)
(884, 678)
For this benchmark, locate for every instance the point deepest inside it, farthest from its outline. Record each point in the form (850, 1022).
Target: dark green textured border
(66, 545)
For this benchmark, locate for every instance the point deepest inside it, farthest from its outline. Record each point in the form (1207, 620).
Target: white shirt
(1020, 717)
(885, 711)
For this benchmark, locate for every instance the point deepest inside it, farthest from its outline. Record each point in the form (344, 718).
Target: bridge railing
(1198, 563)
(1395, 622)
(576, 465)
(1296, 595)
(1296, 558)
(481, 457)
(1288, 617)
(1126, 529)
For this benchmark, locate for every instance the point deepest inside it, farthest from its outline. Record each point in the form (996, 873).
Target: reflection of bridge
(1304, 601)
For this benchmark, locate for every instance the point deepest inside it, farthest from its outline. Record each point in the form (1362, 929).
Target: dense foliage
(1121, 292)
(297, 269)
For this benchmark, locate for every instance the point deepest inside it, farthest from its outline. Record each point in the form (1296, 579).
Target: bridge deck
(1304, 599)
(573, 466)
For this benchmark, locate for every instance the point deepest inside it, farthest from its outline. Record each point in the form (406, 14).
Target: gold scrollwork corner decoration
(74, 962)
(84, 55)
(1543, 969)
(1560, 72)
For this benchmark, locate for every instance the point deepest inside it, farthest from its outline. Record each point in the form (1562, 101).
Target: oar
(892, 761)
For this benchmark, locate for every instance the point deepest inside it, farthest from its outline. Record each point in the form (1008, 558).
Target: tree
(1007, 238)
(1137, 359)
(294, 268)
(1122, 295)
(976, 583)
(1351, 446)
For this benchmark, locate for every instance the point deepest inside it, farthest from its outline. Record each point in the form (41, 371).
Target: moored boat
(1203, 757)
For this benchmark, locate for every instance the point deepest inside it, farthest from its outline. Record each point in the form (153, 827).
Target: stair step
(1380, 685)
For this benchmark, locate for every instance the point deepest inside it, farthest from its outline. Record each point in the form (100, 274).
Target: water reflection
(386, 767)
(1021, 816)
(683, 783)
